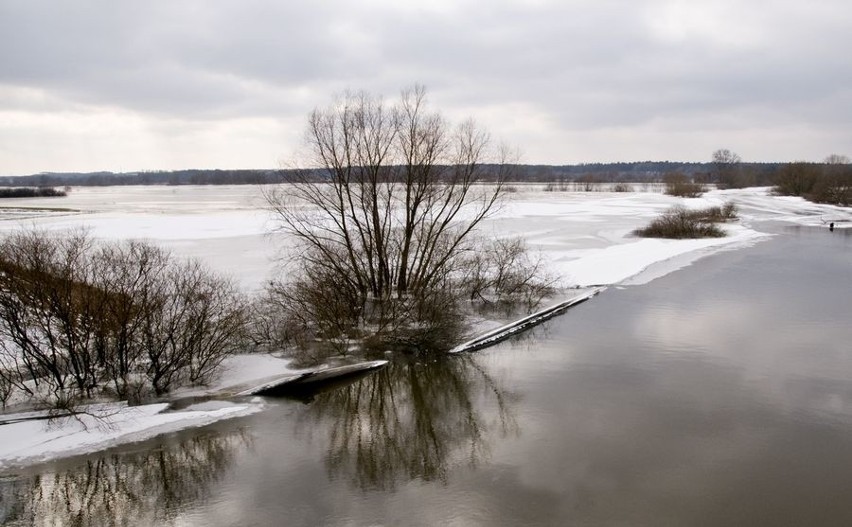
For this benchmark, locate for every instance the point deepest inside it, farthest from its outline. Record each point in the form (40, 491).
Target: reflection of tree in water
(411, 420)
(123, 489)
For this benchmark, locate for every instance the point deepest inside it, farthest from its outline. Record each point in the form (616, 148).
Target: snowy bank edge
(150, 422)
(618, 263)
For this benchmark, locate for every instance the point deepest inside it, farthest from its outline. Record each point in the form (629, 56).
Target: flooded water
(720, 394)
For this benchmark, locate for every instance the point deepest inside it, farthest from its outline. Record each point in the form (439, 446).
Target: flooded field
(718, 394)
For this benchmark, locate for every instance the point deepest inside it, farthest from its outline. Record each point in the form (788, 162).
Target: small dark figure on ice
(831, 227)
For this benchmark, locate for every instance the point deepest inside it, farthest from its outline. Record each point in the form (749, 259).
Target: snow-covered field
(584, 237)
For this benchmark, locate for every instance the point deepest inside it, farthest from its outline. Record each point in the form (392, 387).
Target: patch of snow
(616, 263)
(244, 368)
(28, 442)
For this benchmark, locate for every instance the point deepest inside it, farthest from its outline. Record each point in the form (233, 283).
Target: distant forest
(645, 171)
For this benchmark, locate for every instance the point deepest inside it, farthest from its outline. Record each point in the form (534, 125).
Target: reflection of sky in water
(718, 395)
(715, 395)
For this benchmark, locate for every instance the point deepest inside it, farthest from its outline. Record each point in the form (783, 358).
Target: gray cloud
(715, 69)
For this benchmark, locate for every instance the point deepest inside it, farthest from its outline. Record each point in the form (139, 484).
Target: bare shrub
(299, 314)
(560, 185)
(430, 321)
(132, 274)
(194, 321)
(730, 211)
(588, 183)
(679, 222)
(726, 212)
(797, 179)
(830, 182)
(49, 309)
(504, 273)
(75, 318)
(835, 187)
(677, 184)
(271, 328)
(312, 318)
(836, 184)
(215, 320)
(622, 186)
(13, 373)
(7, 386)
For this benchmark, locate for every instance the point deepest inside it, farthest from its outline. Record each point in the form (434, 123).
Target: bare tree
(390, 205)
(727, 169)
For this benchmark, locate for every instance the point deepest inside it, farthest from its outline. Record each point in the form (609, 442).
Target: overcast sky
(125, 86)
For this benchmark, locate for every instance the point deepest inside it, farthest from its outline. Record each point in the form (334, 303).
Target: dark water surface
(720, 394)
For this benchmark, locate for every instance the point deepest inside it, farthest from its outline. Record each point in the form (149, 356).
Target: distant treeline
(174, 177)
(31, 192)
(757, 173)
(823, 182)
(819, 182)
